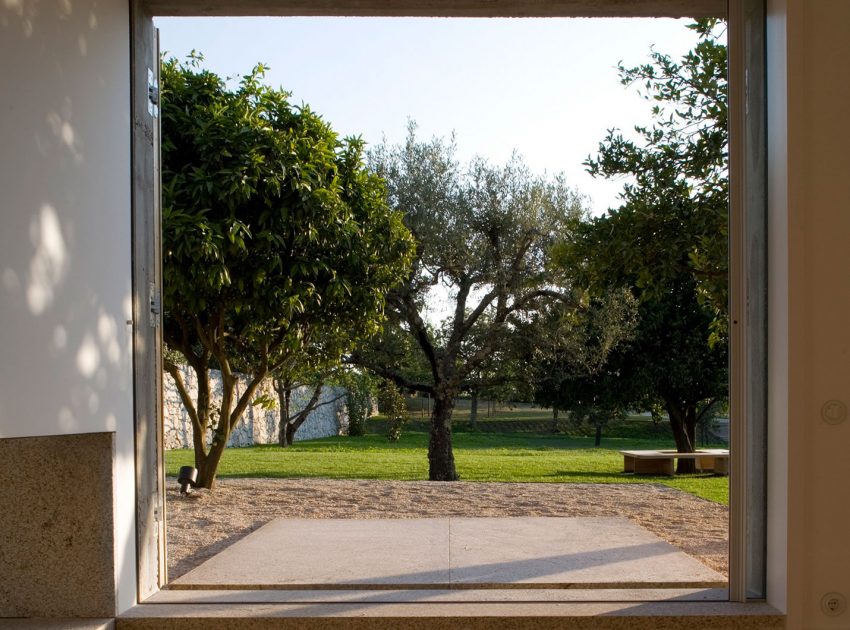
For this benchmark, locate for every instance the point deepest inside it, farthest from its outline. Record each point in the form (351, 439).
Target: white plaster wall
(810, 346)
(65, 203)
(65, 349)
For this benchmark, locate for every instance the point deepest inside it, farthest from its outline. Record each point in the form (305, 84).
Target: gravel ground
(203, 524)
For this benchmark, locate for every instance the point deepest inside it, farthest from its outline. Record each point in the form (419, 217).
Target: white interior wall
(65, 274)
(819, 290)
(810, 300)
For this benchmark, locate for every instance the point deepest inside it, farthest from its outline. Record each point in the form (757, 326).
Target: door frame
(147, 316)
(747, 228)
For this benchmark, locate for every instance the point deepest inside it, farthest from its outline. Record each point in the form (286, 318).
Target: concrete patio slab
(333, 552)
(568, 551)
(451, 553)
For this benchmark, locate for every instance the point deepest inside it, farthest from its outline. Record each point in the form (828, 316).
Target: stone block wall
(258, 424)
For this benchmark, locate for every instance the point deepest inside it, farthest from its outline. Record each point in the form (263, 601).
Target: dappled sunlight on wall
(28, 15)
(50, 261)
(60, 124)
(74, 355)
(65, 284)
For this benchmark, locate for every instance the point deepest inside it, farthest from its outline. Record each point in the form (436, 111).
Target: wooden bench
(714, 460)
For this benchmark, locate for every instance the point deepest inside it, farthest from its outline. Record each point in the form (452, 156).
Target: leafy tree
(671, 363)
(676, 199)
(358, 400)
(392, 403)
(668, 240)
(279, 244)
(667, 364)
(483, 233)
(572, 360)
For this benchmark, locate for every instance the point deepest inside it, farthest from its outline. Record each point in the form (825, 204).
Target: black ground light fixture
(188, 477)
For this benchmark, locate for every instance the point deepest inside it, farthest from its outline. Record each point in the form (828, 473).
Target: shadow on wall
(65, 294)
(87, 342)
(259, 424)
(27, 13)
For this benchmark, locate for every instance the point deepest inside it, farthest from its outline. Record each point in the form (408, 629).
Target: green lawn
(528, 457)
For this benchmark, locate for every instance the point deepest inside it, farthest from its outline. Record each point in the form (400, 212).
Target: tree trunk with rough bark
(229, 412)
(284, 395)
(291, 429)
(598, 441)
(554, 428)
(202, 410)
(208, 467)
(441, 459)
(288, 424)
(683, 424)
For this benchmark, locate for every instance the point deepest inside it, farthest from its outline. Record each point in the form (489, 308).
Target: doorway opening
(353, 504)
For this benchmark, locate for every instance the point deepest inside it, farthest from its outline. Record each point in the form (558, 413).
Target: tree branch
(491, 335)
(392, 375)
(245, 399)
(478, 312)
(705, 409)
(175, 374)
(299, 418)
(458, 324)
(420, 332)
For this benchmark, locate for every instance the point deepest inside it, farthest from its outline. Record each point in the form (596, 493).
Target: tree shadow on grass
(623, 477)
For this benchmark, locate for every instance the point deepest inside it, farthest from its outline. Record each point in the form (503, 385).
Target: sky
(547, 88)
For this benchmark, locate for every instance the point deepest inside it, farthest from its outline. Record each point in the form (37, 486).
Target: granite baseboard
(56, 527)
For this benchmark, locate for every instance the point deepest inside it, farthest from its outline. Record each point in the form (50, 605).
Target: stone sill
(611, 610)
(56, 624)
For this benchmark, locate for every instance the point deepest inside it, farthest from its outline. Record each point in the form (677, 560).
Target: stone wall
(258, 424)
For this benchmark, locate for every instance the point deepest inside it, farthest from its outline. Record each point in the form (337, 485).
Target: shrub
(359, 403)
(392, 404)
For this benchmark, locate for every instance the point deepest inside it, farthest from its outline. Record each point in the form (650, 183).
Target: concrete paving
(451, 553)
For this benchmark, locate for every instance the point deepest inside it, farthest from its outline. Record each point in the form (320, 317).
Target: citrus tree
(279, 245)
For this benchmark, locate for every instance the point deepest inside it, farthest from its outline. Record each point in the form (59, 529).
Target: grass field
(480, 456)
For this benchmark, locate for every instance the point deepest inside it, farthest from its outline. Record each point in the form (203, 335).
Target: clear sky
(545, 87)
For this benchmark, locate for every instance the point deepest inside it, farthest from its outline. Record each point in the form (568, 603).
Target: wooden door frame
(747, 224)
(147, 317)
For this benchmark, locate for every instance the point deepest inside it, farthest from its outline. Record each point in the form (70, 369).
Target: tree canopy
(674, 216)
(279, 245)
(667, 242)
(483, 234)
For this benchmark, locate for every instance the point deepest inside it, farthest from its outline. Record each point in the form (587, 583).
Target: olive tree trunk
(441, 459)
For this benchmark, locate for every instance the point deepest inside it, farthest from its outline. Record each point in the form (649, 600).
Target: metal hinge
(155, 303)
(153, 94)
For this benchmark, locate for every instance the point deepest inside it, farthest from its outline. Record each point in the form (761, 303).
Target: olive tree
(482, 236)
